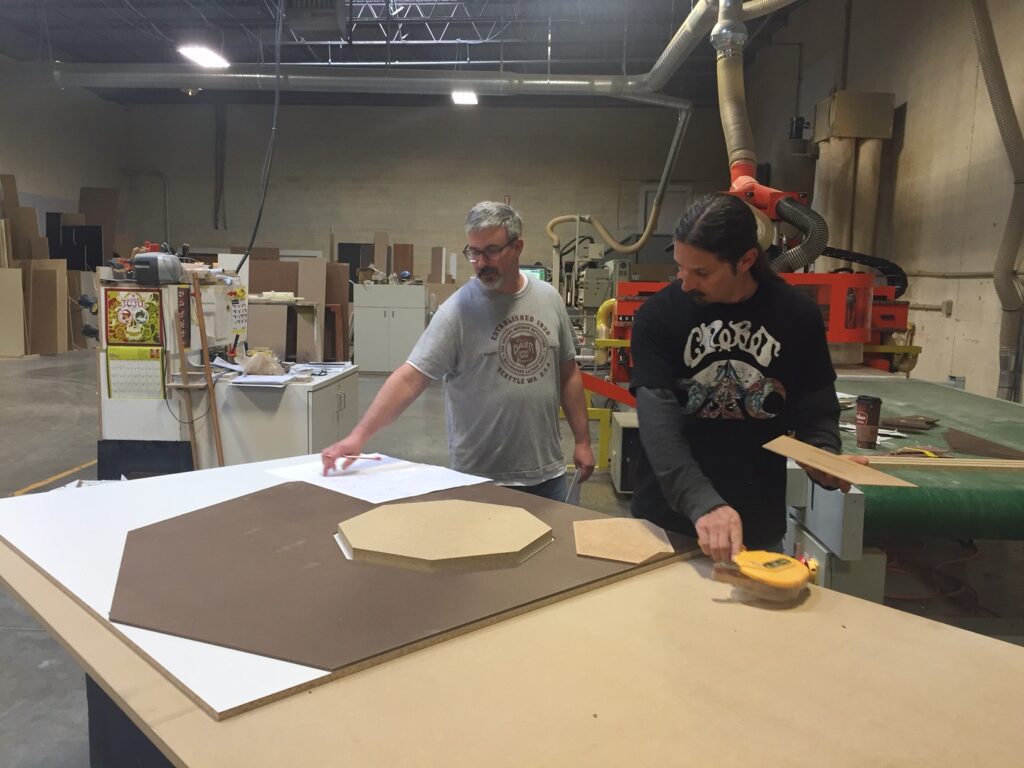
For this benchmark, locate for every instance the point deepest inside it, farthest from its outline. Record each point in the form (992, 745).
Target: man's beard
(698, 297)
(489, 277)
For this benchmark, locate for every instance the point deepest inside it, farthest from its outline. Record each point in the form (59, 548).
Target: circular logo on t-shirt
(522, 349)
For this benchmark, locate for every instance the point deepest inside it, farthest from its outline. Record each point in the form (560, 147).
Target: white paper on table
(380, 481)
(262, 381)
(220, 362)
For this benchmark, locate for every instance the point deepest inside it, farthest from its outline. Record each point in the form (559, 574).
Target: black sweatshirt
(713, 384)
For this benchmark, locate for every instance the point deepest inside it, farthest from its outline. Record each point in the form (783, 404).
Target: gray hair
(487, 215)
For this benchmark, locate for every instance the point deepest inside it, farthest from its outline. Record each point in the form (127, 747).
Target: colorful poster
(135, 373)
(133, 316)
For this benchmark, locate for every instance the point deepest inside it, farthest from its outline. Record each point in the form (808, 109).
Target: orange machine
(845, 299)
(628, 298)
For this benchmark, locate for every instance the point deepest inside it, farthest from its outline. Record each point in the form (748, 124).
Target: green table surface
(948, 503)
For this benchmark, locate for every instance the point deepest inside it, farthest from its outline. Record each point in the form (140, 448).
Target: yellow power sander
(767, 575)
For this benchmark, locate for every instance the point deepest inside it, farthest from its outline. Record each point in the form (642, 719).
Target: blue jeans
(555, 488)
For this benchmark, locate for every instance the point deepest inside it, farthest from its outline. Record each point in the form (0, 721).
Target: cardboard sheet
(858, 474)
(263, 573)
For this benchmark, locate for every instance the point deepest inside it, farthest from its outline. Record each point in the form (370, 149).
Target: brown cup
(868, 411)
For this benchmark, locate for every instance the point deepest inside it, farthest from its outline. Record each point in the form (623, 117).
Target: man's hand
(720, 534)
(826, 480)
(349, 446)
(583, 459)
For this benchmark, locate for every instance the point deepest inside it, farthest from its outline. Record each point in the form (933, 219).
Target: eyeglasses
(491, 251)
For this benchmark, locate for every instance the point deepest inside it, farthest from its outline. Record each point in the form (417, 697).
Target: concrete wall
(410, 172)
(945, 183)
(57, 141)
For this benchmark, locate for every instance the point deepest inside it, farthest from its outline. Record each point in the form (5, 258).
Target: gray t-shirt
(499, 356)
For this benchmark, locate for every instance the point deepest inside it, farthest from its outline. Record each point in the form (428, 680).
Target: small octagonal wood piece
(623, 539)
(445, 535)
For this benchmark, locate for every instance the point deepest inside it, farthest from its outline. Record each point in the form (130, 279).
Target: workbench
(664, 667)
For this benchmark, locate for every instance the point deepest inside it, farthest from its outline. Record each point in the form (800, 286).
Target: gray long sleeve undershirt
(686, 489)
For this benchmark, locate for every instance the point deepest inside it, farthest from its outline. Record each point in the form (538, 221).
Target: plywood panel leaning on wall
(99, 206)
(381, 252)
(24, 227)
(48, 302)
(313, 287)
(402, 258)
(8, 193)
(268, 327)
(271, 275)
(337, 293)
(12, 314)
(436, 265)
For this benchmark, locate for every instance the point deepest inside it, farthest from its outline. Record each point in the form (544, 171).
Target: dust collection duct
(1006, 257)
(729, 37)
(641, 88)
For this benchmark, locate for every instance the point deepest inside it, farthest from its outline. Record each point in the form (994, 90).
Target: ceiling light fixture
(464, 97)
(203, 56)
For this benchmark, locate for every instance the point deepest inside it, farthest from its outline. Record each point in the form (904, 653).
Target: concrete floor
(48, 420)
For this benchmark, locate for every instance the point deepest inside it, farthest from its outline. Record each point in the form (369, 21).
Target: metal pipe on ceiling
(316, 79)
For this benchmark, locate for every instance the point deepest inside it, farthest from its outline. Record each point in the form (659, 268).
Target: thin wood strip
(923, 462)
(197, 297)
(834, 465)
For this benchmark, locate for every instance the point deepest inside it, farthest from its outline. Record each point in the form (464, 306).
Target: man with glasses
(504, 347)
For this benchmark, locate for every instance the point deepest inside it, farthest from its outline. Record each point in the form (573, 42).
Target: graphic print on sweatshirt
(523, 349)
(731, 388)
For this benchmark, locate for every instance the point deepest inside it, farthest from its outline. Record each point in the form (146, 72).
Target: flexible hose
(815, 235)
(611, 240)
(1013, 233)
(754, 8)
(732, 102)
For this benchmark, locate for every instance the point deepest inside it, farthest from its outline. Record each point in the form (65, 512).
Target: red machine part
(628, 298)
(845, 299)
(592, 383)
(749, 190)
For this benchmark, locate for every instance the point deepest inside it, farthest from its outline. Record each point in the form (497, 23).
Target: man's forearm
(684, 486)
(815, 419)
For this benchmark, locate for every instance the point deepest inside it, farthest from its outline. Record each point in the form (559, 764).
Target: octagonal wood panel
(445, 535)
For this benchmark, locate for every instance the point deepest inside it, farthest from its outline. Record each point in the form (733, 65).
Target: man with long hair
(725, 359)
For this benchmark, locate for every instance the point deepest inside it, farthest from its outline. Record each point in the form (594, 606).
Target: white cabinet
(259, 423)
(389, 319)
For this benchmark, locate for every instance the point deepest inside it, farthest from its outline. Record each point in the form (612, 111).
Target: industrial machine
(156, 268)
(629, 297)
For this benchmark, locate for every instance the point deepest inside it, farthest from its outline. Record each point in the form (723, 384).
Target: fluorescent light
(464, 97)
(203, 56)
